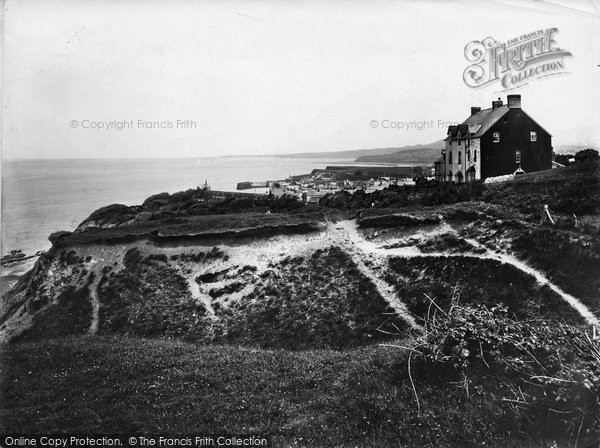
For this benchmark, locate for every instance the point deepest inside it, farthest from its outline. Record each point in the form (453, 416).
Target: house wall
(466, 162)
(451, 160)
(475, 157)
(500, 158)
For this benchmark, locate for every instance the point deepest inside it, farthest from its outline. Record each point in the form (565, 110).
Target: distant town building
(493, 142)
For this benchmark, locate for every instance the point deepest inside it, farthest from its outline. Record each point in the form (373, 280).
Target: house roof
(480, 122)
(459, 131)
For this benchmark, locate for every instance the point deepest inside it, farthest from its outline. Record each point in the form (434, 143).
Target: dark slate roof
(457, 131)
(479, 123)
(451, 132)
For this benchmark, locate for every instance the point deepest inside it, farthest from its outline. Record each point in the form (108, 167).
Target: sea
(40, 197)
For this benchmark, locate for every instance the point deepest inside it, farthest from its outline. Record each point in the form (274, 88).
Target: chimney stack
(514, 101)
(474, 110)
(497, 103)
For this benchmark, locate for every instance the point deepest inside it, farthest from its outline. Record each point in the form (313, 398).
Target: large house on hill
(492, 142)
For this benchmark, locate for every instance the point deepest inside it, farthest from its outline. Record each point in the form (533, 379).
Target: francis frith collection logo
(515, 62)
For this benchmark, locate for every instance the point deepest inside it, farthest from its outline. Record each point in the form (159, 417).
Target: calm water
(42, 196)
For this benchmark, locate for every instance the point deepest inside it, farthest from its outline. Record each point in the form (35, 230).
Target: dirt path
(93, 288)
(198, 295)
(539, 276)
(345, 235)
(581, 308)
(350, 227)
(370, 257)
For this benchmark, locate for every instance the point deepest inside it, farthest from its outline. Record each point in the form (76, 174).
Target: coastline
(42, 196)
(35, 239)
(12, 272)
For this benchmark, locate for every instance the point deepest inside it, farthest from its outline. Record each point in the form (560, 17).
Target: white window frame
(496, 137)
(518, 156)
(532, 136)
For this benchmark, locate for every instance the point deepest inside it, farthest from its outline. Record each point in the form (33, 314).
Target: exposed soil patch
(448, 242)
(398, 220)
(212, 277)
(228, 289)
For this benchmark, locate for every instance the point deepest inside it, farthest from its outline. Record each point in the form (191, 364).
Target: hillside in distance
(423, 154)
(427, 154)
(413, 153)
(570, 149)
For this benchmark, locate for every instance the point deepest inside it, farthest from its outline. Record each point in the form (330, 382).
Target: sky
(198, 78)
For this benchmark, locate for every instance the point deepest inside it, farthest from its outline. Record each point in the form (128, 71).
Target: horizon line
(306, 153)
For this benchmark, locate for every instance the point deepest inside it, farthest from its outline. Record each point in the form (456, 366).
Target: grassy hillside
(280, 333)
(497, 395)
(320, 300)
(476, 283)
(357, 153)
(307, 302)
(424, 155)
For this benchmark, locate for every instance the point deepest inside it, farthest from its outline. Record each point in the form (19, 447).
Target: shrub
(579, 196)
(552, 368)
(70, 257)
(450, 193)
(112, 213)
(586, 155)
(157, 257)
(69, 313)
(284, 203)
(132, 258)
(563, 159)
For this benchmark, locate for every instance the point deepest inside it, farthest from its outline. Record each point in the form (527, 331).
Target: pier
(250, 185)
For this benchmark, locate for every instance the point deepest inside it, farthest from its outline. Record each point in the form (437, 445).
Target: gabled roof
(457, 131)
(480, 122)
(451, 131)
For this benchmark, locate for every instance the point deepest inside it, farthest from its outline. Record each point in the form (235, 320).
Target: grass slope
(472, 281)
(319, 398)
(321, 301)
